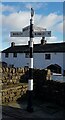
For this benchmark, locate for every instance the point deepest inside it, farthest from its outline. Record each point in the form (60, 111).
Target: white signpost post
(31, 31)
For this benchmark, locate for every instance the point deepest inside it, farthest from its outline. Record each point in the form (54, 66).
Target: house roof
(38, 48)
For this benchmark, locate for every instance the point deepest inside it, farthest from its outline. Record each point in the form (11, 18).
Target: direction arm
(27, 34)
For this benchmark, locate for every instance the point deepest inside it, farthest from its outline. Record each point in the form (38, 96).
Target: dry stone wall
(13, 93)
(10, 87)
(11, 75)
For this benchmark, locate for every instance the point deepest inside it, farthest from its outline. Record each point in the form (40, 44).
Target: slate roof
(38, 48)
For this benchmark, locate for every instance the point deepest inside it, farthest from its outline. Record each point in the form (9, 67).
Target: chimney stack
(29, 43)
(43, 41)
(12, 44)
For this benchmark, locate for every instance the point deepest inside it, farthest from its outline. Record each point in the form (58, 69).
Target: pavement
(17, 111)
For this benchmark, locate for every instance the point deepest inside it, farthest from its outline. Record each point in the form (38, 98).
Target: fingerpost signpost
(29, 32)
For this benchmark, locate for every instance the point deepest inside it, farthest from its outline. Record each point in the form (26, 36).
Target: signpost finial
(32, 12)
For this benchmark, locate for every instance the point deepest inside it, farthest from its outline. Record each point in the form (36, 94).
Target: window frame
(47, 56)
(27, 55)
(14, 54)
(6, 55)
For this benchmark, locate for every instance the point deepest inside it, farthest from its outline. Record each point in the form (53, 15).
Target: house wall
(39, 60)
(64, 61)
(18, 61)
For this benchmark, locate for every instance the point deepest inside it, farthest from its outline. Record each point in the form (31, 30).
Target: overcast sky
(16, 15)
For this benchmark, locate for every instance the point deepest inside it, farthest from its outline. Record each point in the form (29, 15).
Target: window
(6, 55)
(27, 55)
(14, 54)
(47, 56)
(55, 53)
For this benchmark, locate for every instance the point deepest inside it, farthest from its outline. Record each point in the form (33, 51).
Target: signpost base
(29, 107)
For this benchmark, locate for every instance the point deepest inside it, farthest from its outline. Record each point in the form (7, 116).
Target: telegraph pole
(30, 81)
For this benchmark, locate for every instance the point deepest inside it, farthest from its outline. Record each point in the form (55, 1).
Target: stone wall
(10, 87)
(10, 75)
(52, 91)
(13, 93)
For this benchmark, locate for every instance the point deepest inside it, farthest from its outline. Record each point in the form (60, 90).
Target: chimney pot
(43, 41)
(12, 44)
